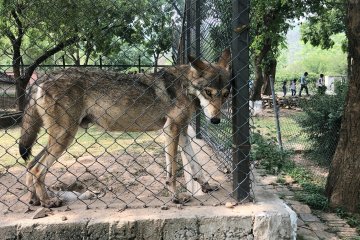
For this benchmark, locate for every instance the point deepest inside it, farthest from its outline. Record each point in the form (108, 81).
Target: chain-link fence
(105, 94)
(309, 125)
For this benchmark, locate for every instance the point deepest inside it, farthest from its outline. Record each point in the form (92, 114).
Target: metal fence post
(240, 101)
(198, 53)
(63, 60)
(188, 28)
(139, 63)
(276, 111)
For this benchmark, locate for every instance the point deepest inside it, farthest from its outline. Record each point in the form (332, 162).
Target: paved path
(312, 224)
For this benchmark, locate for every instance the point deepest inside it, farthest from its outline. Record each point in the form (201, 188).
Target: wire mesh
(100, 87)
(309, 125)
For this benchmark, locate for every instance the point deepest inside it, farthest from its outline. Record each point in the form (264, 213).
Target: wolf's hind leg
(59, 139)
(33, 199)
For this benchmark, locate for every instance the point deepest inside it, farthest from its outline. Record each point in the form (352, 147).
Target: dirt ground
(317, 170)
(122, 179)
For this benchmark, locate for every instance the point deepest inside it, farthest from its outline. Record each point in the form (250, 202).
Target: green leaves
(327, 20)
(99, 25)
(268, 154)
(322, 122)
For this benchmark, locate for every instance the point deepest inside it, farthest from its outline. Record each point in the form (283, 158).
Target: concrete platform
(267, 218)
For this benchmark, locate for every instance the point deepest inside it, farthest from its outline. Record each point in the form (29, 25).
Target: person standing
(303, 84)
(320, 84)
(293, 87)
(284, 88)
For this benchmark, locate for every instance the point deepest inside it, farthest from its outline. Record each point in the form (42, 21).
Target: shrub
(269, 155)
(314, 200)
(313, 195)
(322, 122)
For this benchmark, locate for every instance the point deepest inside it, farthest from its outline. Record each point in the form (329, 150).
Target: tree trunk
(16, 65)
(349, 64)
(77, 62)
(270, 70)
(88, 50)
(258, 70)
(156, 59)
(258, 81)
(343, 183)
(21, 84)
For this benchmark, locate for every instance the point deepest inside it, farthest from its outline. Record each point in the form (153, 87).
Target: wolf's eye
(208, 92)
(226, 94)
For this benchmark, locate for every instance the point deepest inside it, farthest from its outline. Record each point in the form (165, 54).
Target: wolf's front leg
(194, 166)
(172, 131)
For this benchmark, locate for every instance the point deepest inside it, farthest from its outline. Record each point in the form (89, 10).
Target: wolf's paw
(169, 180)
(34, 200)
(51, 203)
(206, 187)
(181, 198)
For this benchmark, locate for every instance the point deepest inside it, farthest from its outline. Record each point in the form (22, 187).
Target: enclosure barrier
(124, 66)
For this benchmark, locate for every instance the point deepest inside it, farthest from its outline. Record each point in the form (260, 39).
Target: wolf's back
(30, 127)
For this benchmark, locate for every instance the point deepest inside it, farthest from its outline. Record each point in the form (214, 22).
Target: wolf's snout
(215, 120)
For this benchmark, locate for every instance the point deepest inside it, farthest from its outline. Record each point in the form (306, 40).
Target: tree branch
(10, 35)
(18, 23)
(57, 48)
(72, 56)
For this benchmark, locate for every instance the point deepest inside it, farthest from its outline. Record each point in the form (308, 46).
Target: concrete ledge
(270, 219)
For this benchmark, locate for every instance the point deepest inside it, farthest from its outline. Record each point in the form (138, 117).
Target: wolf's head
(211, 85)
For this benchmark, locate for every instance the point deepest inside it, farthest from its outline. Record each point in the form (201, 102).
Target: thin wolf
(65, 100)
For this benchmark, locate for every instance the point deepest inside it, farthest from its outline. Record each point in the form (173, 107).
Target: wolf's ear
(225, 58)
(197, 63)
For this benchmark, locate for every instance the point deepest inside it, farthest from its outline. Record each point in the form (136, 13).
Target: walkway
(312, 224)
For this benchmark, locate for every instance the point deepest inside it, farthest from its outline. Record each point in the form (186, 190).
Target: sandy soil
(115, 180)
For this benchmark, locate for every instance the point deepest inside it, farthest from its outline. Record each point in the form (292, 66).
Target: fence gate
(94, 82)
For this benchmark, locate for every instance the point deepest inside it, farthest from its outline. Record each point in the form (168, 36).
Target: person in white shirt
(320, 84)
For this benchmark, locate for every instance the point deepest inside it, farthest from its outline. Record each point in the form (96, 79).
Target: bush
(322, 122)
(269, 155)
(313, 195)
(314, 200)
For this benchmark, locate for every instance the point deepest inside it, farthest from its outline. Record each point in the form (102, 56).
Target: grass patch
(313, 189)
(275, 161)
(292, 133)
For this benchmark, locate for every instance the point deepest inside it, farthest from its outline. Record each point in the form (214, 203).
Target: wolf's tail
(30, 127)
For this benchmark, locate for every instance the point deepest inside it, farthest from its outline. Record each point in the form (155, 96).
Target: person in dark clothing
(284, 88)
(303, 84)
(293, 87)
